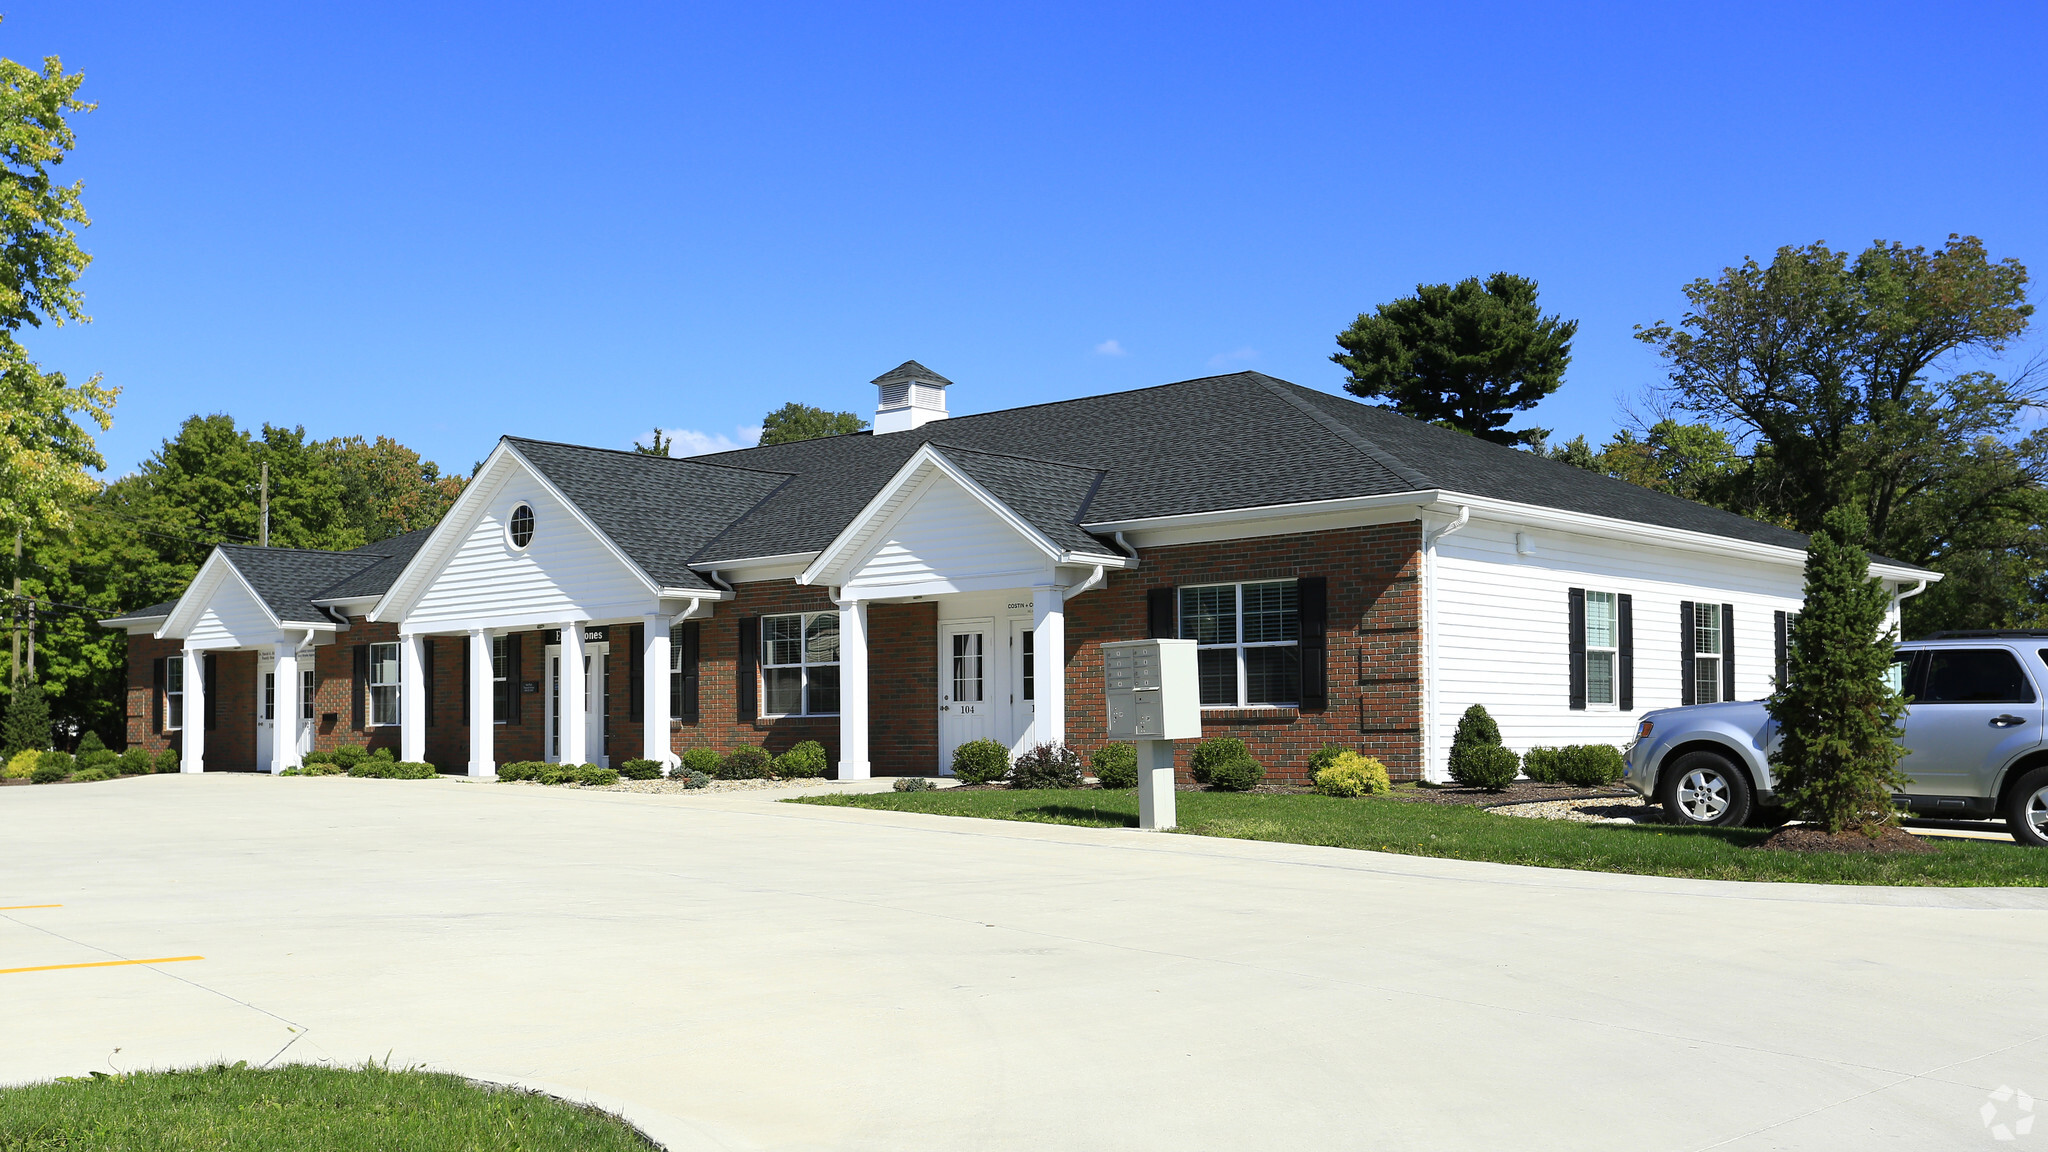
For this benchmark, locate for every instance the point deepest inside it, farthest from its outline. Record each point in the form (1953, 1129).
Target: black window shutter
(427, 674)
(156, 701)
(1780, 645)
(359, 687)
(1312, 594)
(514, 688)
(1625, 655)
(1727, 651)
(1685, 694)
(636, 678)
(468, 644)
(212, 687)
(745, 679)
(686, 683)
(1159, 614)
(1576, 613)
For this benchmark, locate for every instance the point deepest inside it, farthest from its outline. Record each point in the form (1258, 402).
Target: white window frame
(376, 704)
(1707, 689)
(501, 657)
(174, 693)
(511, 519)
(309, 691)
(270, 696)
(1239, 644)
(1611, 650)
(804, 664)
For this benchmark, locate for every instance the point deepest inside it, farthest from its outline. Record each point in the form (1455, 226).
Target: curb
(669, 1133)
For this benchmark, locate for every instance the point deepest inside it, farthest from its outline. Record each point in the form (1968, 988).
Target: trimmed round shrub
(379, 768)
(105, 761)
(641, 770)
(89, 775)
(1236, 775)
(349, 755)
(48, 774)
(1217, 750)
(1047, 766)
(64, 762)
(981, 762)
(806, 761)
(518, 770)
(595, 776)
(913, 784)
(323, 768)
(90, 743)
(701, 760)
(383, 754)
(22, 764)
(167, 760)
(135, 762)
(1490, 767)
(1592, 765)
(1352, 774)
(1544, 765)
(556, 773)
(1323, 758)
(744, 763)
(1476, 729)
(695, 779)
(1116, 766)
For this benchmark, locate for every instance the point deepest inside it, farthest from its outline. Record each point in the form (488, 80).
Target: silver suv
(1974, 729)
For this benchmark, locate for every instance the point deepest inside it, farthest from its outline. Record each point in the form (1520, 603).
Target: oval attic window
(522, 526)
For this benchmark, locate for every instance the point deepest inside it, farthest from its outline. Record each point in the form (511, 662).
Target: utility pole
(263, 534)
(14, 614)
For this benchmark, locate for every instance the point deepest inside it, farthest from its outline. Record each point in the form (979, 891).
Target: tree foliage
(44, 449)
(1694, 461)
(1838, 716)
(27, 723)
(793, 422)
(1466, 356)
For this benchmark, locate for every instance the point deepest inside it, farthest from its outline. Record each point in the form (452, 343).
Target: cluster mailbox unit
(1154, 698)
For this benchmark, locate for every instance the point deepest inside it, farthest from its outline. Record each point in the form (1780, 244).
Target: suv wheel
(2026, 809)
(1704, 789)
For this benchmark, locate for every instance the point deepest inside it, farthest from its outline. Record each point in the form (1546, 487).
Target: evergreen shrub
(64, 762)
(167, 760)
(48, 774)
(22, 764)
(519, 770)
(90, 743)
(1352, 774)
(135, 762)
(1236, 775)
(1476, 729)
(693, 778)
(981, 762)
(744, 763)
(641, 770)
(1047, 766)
(323, 768)
(1490, 767)
(1228, 756)
(913, 784)
(1323, 758)
(27, 721)
(1116, 765)
(382, 768)
(90, 775)
(597, 777)
(701, 760)
(806, 761)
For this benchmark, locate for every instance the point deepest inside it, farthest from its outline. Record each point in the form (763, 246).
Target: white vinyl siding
(800, 664)
(943, 534)
(384, 684)
(231, 619)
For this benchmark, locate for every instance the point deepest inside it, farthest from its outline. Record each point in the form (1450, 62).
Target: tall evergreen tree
(28, 719)
(1838, 715)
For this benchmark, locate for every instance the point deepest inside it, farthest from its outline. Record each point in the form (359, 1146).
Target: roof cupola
(911, 395)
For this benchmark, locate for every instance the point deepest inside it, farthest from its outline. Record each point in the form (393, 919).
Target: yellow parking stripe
(19, 907)
(99, 964)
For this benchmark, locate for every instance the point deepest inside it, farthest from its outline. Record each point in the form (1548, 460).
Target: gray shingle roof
(1052, 496)
(910, 370)
(289, 579)
(376, 579)
(659, 511)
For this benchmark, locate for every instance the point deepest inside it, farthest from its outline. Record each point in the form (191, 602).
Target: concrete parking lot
(764, 975)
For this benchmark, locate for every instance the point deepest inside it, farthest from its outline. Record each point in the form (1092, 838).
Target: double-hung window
(501, 682)
(270, 696)
(306, 692)
(383, 684)
(1706, 653)
(174, 692)
(1603, 647)
(800, 664)
(1247, 642)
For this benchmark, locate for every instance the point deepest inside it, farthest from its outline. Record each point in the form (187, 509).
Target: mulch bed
(1520, 792)
(1805, 839)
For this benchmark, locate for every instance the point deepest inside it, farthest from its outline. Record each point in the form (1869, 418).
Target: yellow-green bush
(1352, 774)
(23, 765)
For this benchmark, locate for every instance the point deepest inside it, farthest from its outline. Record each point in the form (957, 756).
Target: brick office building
(1352, 577)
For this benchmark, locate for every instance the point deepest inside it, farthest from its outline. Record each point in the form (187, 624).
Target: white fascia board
(728, 567)
(694, 594)
(133, 625)
(348, 602)
(210, 576)
(1222, 516)
(984, 582)
(498, 624)
(925, 458)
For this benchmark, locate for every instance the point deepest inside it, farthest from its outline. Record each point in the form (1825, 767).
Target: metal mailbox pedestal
(1154, 699)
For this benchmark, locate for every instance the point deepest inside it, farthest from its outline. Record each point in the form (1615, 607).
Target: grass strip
(299, 1107)
(1466, 833)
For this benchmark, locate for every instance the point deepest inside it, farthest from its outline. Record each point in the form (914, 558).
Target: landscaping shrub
(1116, 766)
(981, 762)
(641, 770)
(1047, 766)
(1476, 729)
(1236, 775)
(26, 723)
(1490, 766)
(1353, 774)
(595, 776)
(64, 762)
(89, 775)
(323, 768)
(693, 778)
(382, 754)
(804, 762)
(167, 760)
(1543, 765)
(102, 759)
(1580, 765)
(1214, 751)
(744, 763)
(48, 774)
(556, 773)
(135, 762)
(22, 764)
(380, 768)
(1323, 758)
(914, 784)
(520, 770)
(90, 743)
(701, 760)
(348, 755)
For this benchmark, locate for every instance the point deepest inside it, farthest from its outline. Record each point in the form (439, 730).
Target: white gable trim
(491, 480)
(217, 570)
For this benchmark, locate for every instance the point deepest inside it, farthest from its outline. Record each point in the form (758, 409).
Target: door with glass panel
(970, 700)
(596, 666)
(1022, 694)
(266, 708)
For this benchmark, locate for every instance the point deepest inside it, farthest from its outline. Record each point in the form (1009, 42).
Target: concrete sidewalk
(766, 975)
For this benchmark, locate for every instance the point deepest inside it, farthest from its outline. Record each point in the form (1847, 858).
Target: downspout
(1431, 703)
(1129, 551)
(720, 581)
(1899, 597)
(1095, 580)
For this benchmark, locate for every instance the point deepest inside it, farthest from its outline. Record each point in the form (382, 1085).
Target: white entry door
(1023, 689)
(307, 686)
(596, 669)
(970, 699)
(266, 708)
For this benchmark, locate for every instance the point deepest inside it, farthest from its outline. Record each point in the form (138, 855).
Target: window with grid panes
(1602, 646)
(1706, 653)
(800, 664)
(1247, 642)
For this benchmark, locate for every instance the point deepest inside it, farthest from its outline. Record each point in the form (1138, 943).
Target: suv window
(1974, 676)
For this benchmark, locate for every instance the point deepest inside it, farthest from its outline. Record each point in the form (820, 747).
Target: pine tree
(1837, 714)
(28, 719)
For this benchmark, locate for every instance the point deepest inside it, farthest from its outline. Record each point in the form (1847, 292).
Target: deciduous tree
(794, 421)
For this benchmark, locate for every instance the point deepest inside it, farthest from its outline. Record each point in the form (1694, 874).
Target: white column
(654, 659)
(192, 755)
(412, 698)
(483, 732)
(1155, 785)
(284, 729)
(853, 690)
(1049, 650)
(570, 707)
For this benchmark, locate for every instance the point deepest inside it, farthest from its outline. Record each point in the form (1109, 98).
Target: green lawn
(299, 1107)
(1467, 833)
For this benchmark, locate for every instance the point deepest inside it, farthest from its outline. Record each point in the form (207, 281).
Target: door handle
(2007, 721)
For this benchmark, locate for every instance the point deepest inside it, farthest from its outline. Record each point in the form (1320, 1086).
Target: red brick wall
(231, 742)
(144, 710)
(1374, 637)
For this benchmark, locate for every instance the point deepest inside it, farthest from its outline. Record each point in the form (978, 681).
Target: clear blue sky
(445, 222)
